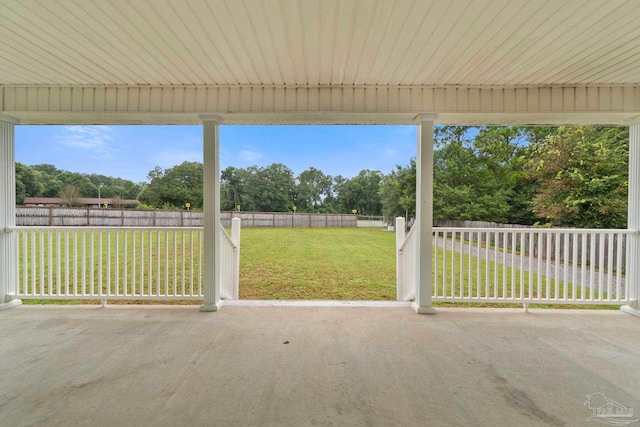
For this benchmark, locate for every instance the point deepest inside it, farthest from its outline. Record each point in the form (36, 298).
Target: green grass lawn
(317, 263)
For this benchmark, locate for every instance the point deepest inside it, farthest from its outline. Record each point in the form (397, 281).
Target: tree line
(560, 176)
(273, 188)
(47, 181)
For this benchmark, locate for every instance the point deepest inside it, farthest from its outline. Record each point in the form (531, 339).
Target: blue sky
(130, 152)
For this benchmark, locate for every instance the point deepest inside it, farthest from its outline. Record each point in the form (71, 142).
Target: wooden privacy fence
(44, 216)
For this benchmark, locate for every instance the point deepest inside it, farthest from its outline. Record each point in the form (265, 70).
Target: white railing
(405, 261)
(118, 263)
(549, 266)
(230, 261)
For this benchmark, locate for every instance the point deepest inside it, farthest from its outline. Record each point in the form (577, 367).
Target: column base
(631, 310)
(212, 307)
(423, 310)
(9, 304)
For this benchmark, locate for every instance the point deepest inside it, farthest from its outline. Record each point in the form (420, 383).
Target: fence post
(400, 236)
(235, 238)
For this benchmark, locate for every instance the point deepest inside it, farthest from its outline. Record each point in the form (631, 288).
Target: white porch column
(8, 242)
(424, 214)
(211, 205)
(632, 276)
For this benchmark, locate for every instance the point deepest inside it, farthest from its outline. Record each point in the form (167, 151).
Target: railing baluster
(150, 263)
(601, 266)
(200, 253)
(184, 270)
(583, 265)
(610, 243)
(100, 264)
(574, 274)
(470, 272)
(539, 259)
(487, 257)
(108, 290)
(436, 264)
(133, 263)
(93, 261)
(461, 264)
(125, 261)
(496, 270)
(565, 276)
(556, 273)
(175, 264)
(142, 269)
(523, 250)
(619, 252)
(34, 265)
(455, 274)
(478, 264)
(66, 263)
(84, 263)
(548, 266)
(158, 257)
(166, 263)
(75, 264)
(592, 267)
(505, 251)
(192, 252)
(50, 270)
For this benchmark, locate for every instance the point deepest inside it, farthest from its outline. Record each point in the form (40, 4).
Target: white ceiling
(319, 42)
(308, 44)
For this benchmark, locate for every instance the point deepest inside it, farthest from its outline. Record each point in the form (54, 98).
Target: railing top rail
(100, 228)
(535, 230)
(408, 237)
(227, 237)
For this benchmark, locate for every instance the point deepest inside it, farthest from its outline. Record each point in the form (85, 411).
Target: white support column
(211, 205)
(8, 242)
(424, 214)
(632, 276)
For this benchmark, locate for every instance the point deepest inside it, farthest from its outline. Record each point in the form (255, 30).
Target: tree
(270, 189)
(313, 188)
(232, 188)
(28, 183)
(398, 191)
(504, 151)
(581, 175)
(362, 192)
(465, 188)
(174, 187)
(70, 195)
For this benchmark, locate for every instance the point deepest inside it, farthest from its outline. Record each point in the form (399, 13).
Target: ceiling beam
(325, 104)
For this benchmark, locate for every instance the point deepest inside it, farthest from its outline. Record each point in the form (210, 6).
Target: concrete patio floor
(298, 366)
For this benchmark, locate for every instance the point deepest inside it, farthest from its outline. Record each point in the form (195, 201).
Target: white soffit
(314, 44)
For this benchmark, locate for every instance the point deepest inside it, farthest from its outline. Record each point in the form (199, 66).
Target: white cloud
(91, 138)
(249, 156)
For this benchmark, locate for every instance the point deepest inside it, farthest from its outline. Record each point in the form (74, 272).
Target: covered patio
(323, 62)
(219, 62)
(297, 366)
